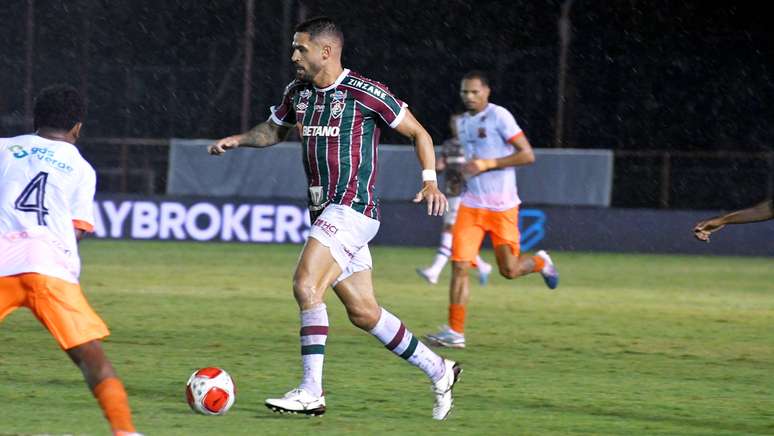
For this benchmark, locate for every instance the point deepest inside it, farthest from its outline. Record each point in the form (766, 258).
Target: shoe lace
(294, 392)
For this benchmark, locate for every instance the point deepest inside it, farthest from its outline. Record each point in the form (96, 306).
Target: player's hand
(222, 145)
(703, 229)
(477, 166)
(436, 202)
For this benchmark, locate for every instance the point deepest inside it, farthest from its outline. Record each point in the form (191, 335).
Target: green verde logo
(18, 151)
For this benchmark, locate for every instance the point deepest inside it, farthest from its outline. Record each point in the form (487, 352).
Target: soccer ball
(210, 391)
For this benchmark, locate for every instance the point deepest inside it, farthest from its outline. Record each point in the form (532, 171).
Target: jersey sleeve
(82, 202)
(390, 108)
(507, 127)
(284, 114)
(384, 103)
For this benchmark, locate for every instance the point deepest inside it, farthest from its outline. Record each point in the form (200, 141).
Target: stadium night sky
(641, 75)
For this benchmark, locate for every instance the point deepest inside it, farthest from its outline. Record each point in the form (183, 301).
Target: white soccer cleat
(442, 389)
(549, 272)
(126, 433)
(298, 401)
(447, 338)
(484, 270)
(428, 275)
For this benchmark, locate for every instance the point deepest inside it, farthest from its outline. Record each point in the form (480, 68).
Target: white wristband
(429, 176)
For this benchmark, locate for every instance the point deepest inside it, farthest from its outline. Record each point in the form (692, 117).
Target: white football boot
(428, 275)
(484, 270)
(443, 389)
(447, 337)
(549, 272)
(298, 401)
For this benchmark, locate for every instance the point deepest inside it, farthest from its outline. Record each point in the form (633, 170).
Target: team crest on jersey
(337, 103)
(306, 93)
(337, 108)
(481, 132)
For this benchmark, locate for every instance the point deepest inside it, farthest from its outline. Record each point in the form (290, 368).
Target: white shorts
(451, 216)
(346, 233)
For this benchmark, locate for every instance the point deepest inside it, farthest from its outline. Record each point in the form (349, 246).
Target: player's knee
(364, 318)
(460, 268)
(508, 271)
(304, 291)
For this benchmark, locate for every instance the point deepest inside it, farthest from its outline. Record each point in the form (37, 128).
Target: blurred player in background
(46, 206)
(494, 144)
(451, 162)
(339, 114)
(760, 212)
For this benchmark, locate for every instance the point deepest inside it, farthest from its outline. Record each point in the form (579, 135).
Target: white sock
(397, 338)
(444, 251)
(314, 333)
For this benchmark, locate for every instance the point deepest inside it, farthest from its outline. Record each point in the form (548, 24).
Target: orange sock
(539, 263)
(457, 317)
(112, 399)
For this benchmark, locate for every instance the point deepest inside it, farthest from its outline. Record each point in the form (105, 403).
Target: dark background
(643, 78)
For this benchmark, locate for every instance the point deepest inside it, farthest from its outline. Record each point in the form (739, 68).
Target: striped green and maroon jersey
(339, 128)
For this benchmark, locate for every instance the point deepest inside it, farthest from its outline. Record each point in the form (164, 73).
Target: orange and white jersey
(46, 191)
(486, 135)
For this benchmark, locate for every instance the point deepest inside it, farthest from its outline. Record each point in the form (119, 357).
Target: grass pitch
(627, 345)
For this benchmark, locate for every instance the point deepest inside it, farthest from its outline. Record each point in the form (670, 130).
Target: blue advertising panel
(405, 223)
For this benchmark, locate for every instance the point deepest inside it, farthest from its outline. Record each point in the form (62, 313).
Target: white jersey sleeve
(506, 124)
(82, 204)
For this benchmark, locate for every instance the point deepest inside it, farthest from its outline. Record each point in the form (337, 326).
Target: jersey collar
(336, 83)
(483, 112)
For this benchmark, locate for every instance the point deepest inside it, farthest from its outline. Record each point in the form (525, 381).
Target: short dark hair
(321, 26)
(59, 107)
(477, 74)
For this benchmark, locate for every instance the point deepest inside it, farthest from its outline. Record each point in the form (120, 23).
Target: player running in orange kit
(46, 205)
(451, 161)
(494, 145)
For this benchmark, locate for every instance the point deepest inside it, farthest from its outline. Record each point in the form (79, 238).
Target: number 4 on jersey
(33, 196)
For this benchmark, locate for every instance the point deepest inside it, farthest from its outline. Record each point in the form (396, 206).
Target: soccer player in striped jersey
(494, 146)
(46, 206)
(339, 115)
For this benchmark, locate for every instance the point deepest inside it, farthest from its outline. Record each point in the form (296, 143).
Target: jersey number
(33, 196)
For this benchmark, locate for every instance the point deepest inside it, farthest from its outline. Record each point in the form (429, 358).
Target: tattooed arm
(263, 135)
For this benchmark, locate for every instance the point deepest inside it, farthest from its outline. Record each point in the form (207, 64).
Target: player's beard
(306, 73)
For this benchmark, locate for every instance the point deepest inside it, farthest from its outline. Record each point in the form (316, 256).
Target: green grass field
(627, 345)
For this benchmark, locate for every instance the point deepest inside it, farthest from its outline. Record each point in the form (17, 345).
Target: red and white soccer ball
(210, 391)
